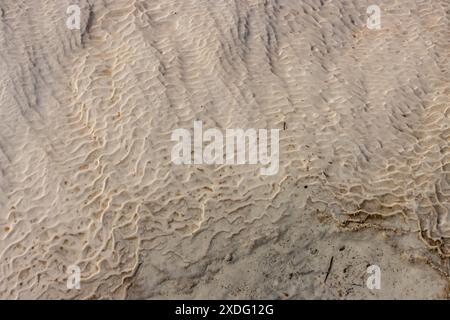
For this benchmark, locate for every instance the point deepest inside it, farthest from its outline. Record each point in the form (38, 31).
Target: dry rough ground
(86, 179)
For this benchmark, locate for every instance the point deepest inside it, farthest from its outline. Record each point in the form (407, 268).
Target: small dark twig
(329, 269)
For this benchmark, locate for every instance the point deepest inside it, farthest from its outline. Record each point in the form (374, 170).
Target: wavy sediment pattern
(86, 176)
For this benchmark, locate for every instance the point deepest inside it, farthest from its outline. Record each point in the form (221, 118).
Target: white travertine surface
(86, 176)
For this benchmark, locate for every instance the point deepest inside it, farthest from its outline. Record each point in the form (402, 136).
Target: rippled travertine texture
(85, 172)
